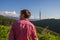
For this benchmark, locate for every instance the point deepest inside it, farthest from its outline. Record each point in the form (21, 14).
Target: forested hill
(53, 24)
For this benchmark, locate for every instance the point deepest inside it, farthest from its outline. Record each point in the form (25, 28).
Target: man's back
(22, 30)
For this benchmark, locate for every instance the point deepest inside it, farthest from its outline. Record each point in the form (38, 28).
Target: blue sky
(48, 8)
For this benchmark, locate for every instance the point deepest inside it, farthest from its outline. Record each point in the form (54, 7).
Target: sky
(48, 8)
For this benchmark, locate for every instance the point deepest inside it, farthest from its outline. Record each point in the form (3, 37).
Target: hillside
(53, 24)
(48, 35)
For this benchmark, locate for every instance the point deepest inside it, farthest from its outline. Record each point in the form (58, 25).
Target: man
(23, 29)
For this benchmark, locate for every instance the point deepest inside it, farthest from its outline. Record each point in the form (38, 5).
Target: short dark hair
(26, 13)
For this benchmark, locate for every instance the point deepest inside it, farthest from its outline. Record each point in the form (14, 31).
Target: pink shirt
(22, 30)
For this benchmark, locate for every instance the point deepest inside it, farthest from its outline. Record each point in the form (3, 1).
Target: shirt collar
(25, 19)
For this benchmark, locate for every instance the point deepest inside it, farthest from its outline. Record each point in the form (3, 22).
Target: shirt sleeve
(11, 34)
(34, 36)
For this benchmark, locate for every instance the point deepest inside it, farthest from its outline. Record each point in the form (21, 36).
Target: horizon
(48, 8)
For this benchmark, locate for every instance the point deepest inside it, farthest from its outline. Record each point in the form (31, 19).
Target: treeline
(6, 20)
(53, 24)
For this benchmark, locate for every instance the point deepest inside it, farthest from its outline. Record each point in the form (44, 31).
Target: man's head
(25, 13)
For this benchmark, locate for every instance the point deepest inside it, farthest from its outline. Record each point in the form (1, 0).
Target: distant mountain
(17, 18)
(33, 19)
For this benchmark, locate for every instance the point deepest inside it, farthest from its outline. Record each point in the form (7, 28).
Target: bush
(4, 31)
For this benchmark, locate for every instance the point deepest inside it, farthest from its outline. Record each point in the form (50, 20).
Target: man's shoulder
(15, 22)
(24, 22)
(31, 24)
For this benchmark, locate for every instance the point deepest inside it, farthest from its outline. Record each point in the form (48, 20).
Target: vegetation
(45, 34)
(4, 33)
(6, 21)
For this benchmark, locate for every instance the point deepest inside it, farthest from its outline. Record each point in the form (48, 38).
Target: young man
(23, 29)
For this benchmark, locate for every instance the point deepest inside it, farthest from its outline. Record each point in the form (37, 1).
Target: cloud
(12, 14)
(34, 17)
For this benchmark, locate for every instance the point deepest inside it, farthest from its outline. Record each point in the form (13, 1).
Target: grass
(48, 35)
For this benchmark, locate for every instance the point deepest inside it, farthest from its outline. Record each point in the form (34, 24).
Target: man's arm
(11, 34)
(34, 36)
